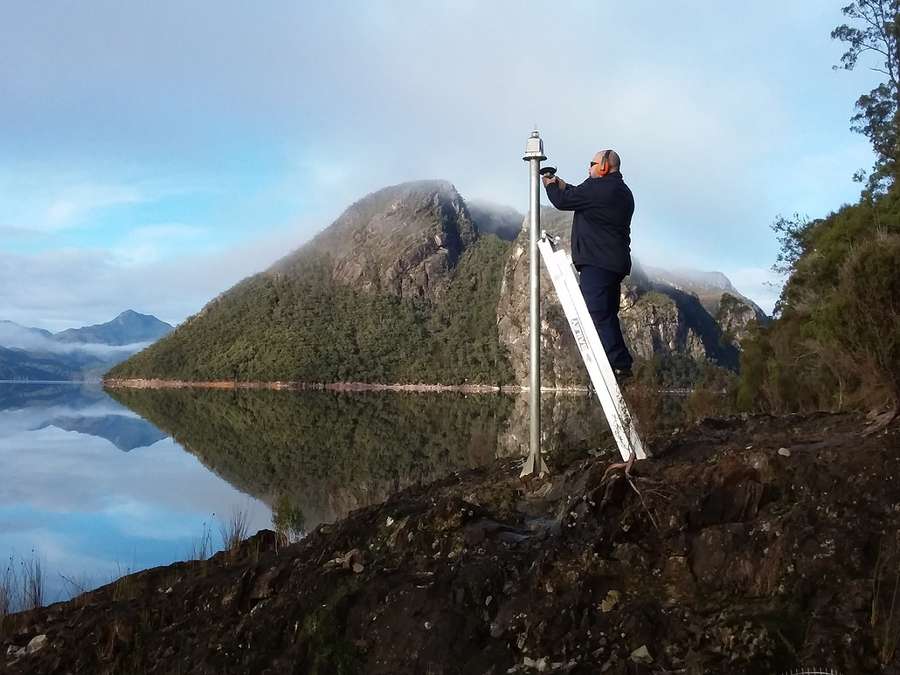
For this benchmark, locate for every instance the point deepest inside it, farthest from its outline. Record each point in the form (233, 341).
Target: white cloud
(150, 243)
(717, 135)
(74, 287)
(41, 199)
(167, 231)
(33, 206)
(762, 285)
(152, 502)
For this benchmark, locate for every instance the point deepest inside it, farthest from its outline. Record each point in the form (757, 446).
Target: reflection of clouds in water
(21, 413)
(65, 561)
(91, 511)
(141, 519)
(67, 471)
(57, 550)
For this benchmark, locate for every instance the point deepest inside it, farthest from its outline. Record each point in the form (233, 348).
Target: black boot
(623, 375)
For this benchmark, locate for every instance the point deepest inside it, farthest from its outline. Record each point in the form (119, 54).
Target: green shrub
(835, 344)
(860, 324)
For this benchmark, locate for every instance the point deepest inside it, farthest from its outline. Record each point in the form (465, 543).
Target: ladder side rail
(592, 353)
(591, 362)
(609, 382)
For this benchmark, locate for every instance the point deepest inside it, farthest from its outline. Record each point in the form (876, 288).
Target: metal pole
(534, 154)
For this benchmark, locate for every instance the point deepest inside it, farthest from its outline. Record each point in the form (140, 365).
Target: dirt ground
(746, 545)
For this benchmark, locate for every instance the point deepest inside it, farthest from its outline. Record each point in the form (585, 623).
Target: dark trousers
(602, 289)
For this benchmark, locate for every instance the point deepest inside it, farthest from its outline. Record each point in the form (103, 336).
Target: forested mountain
(404, 287)
(18, 364)
(400, 288)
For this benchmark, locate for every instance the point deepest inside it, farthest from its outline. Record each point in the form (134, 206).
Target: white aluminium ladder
(562, 273)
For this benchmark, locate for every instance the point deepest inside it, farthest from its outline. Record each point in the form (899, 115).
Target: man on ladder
(601, 246)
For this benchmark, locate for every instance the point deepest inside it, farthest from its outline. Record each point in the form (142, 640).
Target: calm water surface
(96, 484)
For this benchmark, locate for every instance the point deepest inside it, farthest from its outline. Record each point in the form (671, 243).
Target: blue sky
(153, 154)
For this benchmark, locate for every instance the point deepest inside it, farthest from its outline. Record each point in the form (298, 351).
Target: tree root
(625, 468)
(879, 421)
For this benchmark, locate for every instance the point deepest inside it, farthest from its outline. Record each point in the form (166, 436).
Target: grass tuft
(201, 548)
(22, 585)
(233, 530)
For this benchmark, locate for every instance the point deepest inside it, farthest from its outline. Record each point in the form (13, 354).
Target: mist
(14, 336)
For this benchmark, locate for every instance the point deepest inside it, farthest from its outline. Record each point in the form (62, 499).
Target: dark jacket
(601, 228)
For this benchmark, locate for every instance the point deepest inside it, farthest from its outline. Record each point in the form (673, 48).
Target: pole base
(529, 468)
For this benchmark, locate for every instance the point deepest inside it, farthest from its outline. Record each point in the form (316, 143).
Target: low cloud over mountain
(34, 353)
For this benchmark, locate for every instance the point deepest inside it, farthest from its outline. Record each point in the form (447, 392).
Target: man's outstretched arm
(565, 197)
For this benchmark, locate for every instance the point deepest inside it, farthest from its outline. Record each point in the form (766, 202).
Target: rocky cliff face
(403, 240)
(560, 362)
(709, 287)
(659, 317)
(736, 314)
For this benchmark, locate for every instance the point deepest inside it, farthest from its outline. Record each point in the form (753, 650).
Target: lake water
(96, 484)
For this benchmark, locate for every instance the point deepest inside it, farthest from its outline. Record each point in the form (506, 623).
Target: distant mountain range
(413, 284)
(77, 353)
(126, 329)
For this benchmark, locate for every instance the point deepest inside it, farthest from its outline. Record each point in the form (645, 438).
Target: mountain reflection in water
(125, 432)
(90, 511)
(332, 452)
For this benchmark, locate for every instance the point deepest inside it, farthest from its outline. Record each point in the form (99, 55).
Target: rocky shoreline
(746, 545)
(154, 383)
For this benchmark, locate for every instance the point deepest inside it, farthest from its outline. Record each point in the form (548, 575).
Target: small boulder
(36, 644)
(539, 665)
(642, 655)
(609, 603)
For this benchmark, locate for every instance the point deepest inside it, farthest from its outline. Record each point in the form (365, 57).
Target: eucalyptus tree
(874, 31)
